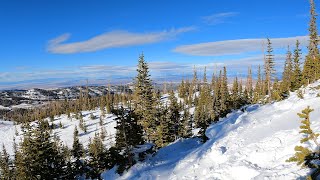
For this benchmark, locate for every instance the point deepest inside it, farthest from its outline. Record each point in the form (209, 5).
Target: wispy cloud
(113, 39)
(101, 74)
(238, 46)
(218, 18)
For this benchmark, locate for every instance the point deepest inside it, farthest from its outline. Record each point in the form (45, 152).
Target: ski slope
(253, 144)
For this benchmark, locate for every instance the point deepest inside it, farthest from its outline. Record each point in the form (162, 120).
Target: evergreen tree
(41, 154)
(311, 66)
(185, 130)
(224, 94)
(78, 166)
(249, 88)
(296, 74)
(144, 99)
(235, 96)
(182, 90)
(287, 73)
(203, 113)
(97, 158)
(269, 69)
(5, 170)
(173, 117)
(304, 156)
(128, 136)
(258, 88)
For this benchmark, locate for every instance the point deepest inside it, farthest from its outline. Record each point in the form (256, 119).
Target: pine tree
(185, 130)
(5, 170)
(163, 127)
(182, 90)
(204, 112)
(311, 66)
(41, 154)
(249, 88)
(296, 74)
(258, 88)
(276, 91)
(97, 158)
(173, 116)
(235, 96)
(144, 99)
(269, 69)
(304, 156)
(128, 136)
(287, 74)
(224, 94)
(77, 151)
(195, 84)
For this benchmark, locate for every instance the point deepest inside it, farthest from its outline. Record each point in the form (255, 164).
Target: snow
(4, 108)
(253, 144)
(249, 144)
(7, 130)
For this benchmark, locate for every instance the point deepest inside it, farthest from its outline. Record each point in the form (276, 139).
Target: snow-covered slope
(253, 144)
(8, 129)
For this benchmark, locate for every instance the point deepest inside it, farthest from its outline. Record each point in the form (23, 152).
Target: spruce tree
(235, 96)
(287, 74)
(173, 117)
(296, 74)
(224, 94)
(305, 156)
(311, 66)
(97, 158)
(5, 170)
(269, 68)
(41, 154)
(185, 130)
(258, 88)
(77, 151)
(144, 101)
(249, 88)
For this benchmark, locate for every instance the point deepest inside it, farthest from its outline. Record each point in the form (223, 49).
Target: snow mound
(253, 144)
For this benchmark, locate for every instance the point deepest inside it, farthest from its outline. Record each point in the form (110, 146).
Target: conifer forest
(212, 124)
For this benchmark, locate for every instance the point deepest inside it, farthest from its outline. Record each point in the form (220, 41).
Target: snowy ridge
(253, 144)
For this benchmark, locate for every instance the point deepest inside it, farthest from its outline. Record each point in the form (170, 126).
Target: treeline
(71, 106)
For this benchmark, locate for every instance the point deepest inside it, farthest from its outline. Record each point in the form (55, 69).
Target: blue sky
(47, 43)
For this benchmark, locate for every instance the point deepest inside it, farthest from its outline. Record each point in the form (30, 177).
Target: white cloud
(218, 18)
(113, 39)
(238, 46)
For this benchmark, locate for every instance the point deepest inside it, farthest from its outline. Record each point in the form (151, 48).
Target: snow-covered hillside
(8, 130)
(249, 144)
(253, 144)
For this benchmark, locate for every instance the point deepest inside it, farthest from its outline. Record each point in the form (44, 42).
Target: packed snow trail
(253, 144)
